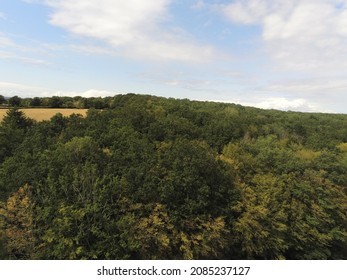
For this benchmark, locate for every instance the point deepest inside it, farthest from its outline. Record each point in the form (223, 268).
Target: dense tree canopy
(155, 178)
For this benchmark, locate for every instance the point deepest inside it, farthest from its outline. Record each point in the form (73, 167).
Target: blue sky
(284, 54)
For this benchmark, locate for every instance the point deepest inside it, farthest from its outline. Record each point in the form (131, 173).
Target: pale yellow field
(41, 114)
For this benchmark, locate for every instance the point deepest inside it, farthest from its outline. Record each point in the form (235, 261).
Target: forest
(146, 177)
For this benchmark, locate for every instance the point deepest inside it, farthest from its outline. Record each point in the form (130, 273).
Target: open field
(40, 114)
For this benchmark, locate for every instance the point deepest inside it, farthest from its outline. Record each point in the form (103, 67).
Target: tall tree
(2, 99)
(14, 101)
(16, 119)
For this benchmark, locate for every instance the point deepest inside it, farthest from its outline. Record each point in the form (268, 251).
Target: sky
(283, 54)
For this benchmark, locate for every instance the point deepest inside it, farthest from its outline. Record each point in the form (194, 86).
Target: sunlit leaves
(18, 224)
(297, 214)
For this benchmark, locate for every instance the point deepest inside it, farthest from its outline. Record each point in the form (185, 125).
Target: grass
(40, 114)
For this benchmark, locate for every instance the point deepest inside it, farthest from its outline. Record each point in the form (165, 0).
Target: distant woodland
(144, 177)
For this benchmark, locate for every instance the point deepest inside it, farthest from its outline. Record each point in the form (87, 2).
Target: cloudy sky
(283, 54)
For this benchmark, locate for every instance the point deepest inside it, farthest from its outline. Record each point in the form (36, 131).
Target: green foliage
(3, 250)
(289, 206)
(16, 119)
(143, 177)
(13, 129)
(35, 102)
(17, 224)
(261, 222)
(2, 100)
(14, 101)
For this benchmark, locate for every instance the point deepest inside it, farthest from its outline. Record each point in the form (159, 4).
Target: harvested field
(40, 114)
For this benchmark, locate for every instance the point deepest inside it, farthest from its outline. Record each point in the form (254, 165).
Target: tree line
(78, 102)
(156, 178)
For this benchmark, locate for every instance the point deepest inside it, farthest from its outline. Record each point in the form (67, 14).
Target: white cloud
(282, 103)
(133, 28)
(319, 94)
(118, 22)
(10, 55)
(11, 89)
(23, 90)
(304, 47)
(298, 35)
(254, 11)
(11, 50)
(86, 93)
(278, 103)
